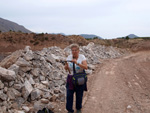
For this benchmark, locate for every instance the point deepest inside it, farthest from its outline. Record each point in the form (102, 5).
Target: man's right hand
(67, 67)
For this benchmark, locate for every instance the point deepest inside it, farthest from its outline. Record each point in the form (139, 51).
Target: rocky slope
(6, 25)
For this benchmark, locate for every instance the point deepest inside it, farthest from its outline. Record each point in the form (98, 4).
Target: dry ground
(120, 86)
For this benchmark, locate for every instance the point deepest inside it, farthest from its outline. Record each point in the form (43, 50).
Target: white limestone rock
(1, 85)
(7, 75)
(27, 89)
(36, 93)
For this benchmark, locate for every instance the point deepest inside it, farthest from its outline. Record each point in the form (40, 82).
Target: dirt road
(120, 86)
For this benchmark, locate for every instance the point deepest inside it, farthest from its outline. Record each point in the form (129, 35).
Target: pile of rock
(31, 80)
(32, 77)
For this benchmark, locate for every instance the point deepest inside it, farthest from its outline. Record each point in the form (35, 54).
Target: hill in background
(132, 36)
(6, 25)
(90, 36)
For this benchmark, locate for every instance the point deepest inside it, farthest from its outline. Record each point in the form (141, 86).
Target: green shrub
(127, 37)
(146, 38)
(41, 34)
(89, 38)
(95, 37)
(20, 31)
(46, 38)
(53, 38)
(36, 43)
(31, 41)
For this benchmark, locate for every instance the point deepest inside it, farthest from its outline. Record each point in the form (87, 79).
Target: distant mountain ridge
(59, 33)
(6, 25)
(132, 36)
(83, 35)
(90, 36)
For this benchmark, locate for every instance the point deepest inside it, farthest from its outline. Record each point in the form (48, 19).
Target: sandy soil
(120, 86)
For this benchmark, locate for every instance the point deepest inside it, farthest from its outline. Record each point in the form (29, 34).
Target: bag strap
(46, 110)
(74, 70)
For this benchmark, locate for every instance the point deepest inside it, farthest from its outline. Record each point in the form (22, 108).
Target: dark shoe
(79, 111)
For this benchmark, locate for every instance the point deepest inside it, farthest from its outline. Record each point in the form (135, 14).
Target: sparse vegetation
(127, 37)
(20, 31)
(95, 38)
(41, 34)
(146, 38)
(36, 43)
(46, 38)
(31, 41)
(22, 39)
(10, 39)
(89, 38)
(53, 38)
(92, 38)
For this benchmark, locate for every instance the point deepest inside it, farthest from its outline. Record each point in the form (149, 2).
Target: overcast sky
(105, 18)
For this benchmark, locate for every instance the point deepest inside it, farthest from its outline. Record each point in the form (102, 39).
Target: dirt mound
(121, 86)
(134, 45)
(12, 41)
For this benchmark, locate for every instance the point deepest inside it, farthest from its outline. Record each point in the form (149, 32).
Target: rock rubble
(31, 80)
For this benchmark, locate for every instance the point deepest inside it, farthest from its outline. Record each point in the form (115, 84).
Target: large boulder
(11, 59)
(7, 75)
(27, 89)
